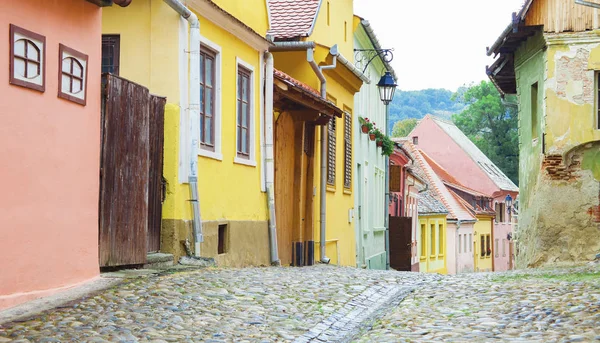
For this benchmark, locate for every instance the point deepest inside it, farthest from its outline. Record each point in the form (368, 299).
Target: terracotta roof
(439, 170)
(473, 210)
(485, 164)
(292, 18)
(304, 88)
(465, 189)
(429, 204)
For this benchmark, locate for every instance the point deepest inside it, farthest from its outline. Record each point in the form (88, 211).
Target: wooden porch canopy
(292, 95)
(502, 71)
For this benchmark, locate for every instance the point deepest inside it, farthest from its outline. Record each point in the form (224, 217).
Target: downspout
(458, 222)
(194, 109)
(494, 252)
(319, 72)
(269, 158)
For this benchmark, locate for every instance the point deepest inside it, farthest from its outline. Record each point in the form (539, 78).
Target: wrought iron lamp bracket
(368, 55)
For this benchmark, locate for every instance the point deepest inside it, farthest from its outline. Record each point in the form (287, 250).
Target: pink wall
(501, 230)
(436, 143)
(49, 149)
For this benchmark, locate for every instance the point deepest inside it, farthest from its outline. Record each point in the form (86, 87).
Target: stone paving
(224, 305)
(330, 304)
(532, 306)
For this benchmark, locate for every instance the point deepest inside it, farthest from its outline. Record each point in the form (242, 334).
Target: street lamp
(387, 87)
(508, 201)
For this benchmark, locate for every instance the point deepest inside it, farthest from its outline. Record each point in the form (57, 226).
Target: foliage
(387, 145)
(365, 122)
(403, 127)
(491, 125)
(416, 104)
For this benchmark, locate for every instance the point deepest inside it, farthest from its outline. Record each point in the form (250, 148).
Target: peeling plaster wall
(559, 171)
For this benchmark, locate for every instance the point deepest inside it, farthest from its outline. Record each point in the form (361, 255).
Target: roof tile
(292, 18)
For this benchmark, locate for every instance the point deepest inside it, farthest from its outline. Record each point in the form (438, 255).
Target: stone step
(159, 261)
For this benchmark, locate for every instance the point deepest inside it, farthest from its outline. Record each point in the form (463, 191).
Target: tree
(491, 124)
(403, 127)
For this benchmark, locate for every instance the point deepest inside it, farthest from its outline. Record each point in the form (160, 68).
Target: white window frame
(217, 154)
(251, 161)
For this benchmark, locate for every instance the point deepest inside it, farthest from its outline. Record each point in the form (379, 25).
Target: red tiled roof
(292, 18)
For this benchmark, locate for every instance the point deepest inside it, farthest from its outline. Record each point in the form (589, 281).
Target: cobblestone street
(326, 303)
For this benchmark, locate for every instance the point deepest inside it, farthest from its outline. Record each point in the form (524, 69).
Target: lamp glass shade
(387, 88)
(508, 200)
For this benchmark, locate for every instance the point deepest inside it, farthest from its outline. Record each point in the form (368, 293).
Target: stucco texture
(51, 154)
(559, 199)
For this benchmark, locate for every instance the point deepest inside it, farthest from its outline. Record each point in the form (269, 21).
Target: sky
(438, 43)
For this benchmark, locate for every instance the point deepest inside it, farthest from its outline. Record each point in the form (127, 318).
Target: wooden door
(156, 184)
(400, 243)
(129, 175)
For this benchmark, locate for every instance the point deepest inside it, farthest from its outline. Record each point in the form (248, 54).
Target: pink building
(49, 145)
(454, 151)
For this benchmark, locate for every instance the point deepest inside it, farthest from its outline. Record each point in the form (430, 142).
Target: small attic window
(72, 81)
(27, 59)
(415, 140)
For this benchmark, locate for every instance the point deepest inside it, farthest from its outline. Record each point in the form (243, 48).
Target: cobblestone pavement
(326, 303)
(226, 305)
(533, 306)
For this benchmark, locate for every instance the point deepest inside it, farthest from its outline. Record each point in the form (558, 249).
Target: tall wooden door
(156, 185)
(126, 196)
(400, 243)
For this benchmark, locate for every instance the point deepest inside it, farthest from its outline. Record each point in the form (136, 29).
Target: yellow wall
(483, 227)
(340, 15)
(252, 12)
(432, 262)
(150, 33)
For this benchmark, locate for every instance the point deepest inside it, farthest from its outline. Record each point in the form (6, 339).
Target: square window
(27, 59)
(72, 79)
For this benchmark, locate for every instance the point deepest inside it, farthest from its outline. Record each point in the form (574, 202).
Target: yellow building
(213, 140)
(482, 247)
(431, 235)
(314, 47)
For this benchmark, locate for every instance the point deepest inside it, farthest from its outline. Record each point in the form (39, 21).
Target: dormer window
(27, 58)
(72, 81)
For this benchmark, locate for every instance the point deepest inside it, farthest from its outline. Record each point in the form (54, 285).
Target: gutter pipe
(194, 109)
(269, 158)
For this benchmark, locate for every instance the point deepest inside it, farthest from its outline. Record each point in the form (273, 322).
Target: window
(423, 241)
(347, 150)
(482, 248)
(243, 113)
(500, 212)
(497, 247)
(465, 242)
(207, 98)
(488, 243)
(460, 245)
(222, 243)
(331, 132)
(328, 17)
(27, 59)
(345, 31)
(432, 232)
(415, 140)
(470, 242)
(72, 81)
(534, 111)
(441, 239)
(111, 46)
(598, 100)
(503, 247)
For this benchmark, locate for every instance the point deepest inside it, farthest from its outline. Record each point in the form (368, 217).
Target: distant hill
(416, 104)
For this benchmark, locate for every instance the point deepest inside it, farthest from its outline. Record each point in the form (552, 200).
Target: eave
(106, 3)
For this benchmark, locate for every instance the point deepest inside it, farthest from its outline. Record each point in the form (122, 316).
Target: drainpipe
(194, 108)
(458, 222)
(269, 158)
(319, 72)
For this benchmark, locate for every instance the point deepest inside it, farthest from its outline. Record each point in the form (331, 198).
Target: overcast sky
(438, 43)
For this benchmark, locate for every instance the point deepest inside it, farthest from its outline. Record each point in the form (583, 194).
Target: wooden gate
(130, 172)
(400, 243)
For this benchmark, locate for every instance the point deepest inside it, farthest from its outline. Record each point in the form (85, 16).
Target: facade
(369, 163)
(550, 60)
(459, 222)
(455, 153)
(308, 36)
(212, 142)
(431, 240)
(50, 135)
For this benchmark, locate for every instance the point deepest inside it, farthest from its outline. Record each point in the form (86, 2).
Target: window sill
(423, 259)
(250, 163)
(347, 191)
(378, 229)
(331, 189)
(440, 256)
(210, 154)
(432, 257)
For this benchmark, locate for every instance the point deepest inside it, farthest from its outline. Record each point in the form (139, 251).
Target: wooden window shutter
(331, 129)
(347, 150)
(395, 178)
